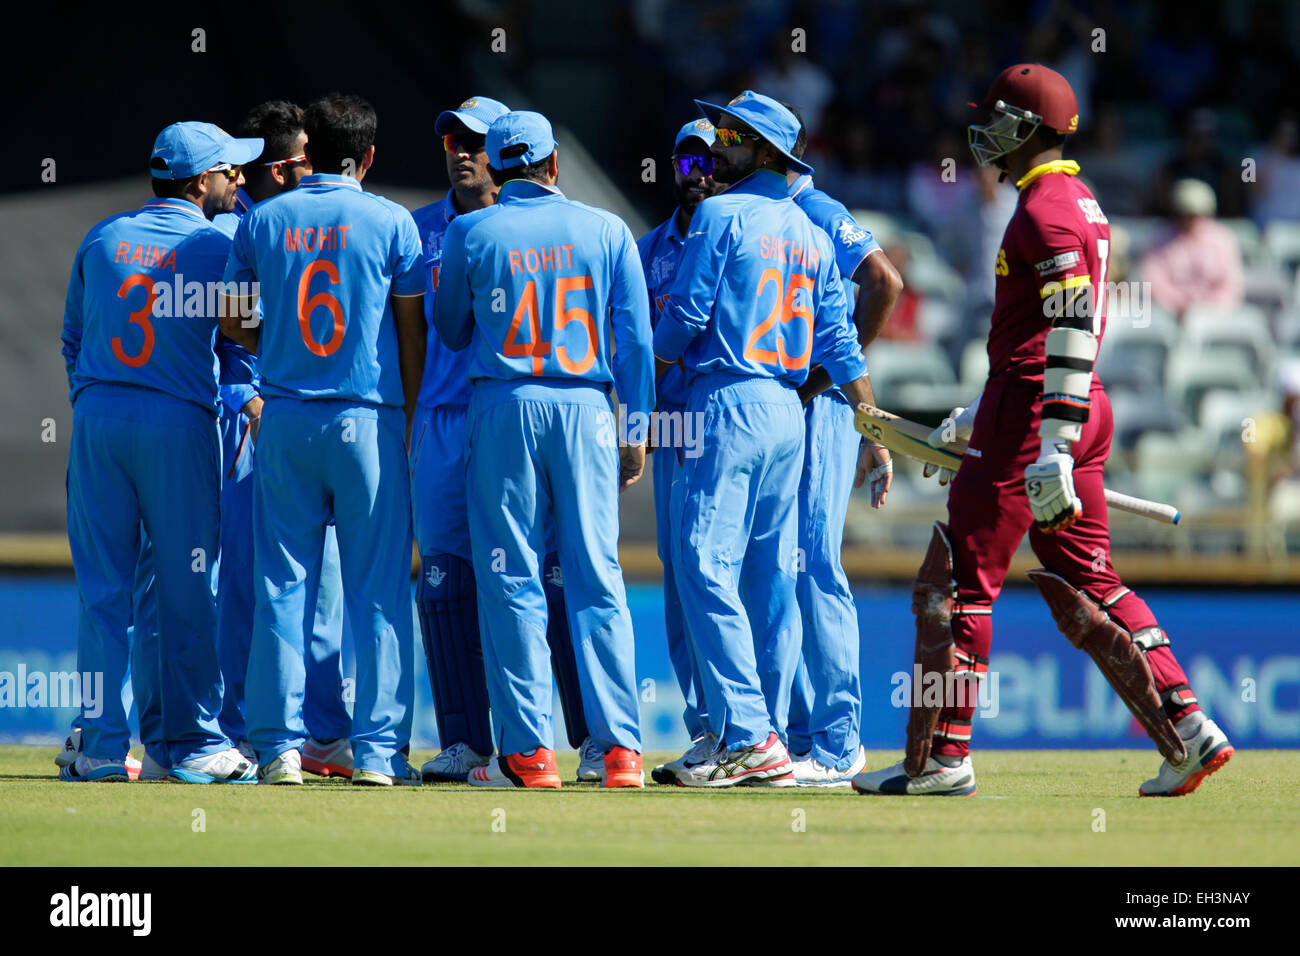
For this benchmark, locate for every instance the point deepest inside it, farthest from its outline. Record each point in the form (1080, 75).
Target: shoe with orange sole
(535, 770)
(623, 768)
(1207, 751)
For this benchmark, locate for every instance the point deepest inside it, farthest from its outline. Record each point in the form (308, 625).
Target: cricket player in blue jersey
(660, 250)
(340, 349)
(328, 751)
(535, 286)
(757, 301)
(826, 700)
(445, 596)
(145, 455)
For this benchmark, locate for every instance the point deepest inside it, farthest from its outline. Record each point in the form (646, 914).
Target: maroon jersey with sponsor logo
(1053, 259)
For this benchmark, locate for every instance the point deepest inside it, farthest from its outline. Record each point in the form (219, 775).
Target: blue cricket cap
(766, 117)
(695, 129)
(186, 149)
(522, 128)
(476, 114)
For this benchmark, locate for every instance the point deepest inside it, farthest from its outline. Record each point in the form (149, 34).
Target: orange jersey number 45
(538, 347)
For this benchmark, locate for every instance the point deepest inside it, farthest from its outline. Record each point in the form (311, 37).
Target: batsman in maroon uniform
(1039, 436)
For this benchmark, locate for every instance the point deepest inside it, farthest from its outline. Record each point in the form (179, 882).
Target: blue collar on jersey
(762, 182)
(243, 202)
(329, 179)
(517, 190)
(799, 185)
(180, 205)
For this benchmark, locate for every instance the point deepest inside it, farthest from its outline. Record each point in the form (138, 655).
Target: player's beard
(690, 194)
(726, 172)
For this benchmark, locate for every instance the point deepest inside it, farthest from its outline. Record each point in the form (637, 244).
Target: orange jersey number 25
(783, 309)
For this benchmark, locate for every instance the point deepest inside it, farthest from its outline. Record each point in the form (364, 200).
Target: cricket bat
(908, 438)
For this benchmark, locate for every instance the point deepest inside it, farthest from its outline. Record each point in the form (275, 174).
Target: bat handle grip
(1140, 506)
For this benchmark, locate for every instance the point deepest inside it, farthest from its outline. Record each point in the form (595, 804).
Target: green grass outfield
(1033, 807)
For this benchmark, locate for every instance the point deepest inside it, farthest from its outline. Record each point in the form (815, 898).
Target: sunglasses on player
(732, 137)
(230, 172)
(464, 143)
(685, 162)
(291, 161)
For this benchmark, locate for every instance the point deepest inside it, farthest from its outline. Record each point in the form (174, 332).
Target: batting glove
(957, 427)
(875, 466)
(1049, 483)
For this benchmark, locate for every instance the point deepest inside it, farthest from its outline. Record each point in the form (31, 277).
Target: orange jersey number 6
(307, 303)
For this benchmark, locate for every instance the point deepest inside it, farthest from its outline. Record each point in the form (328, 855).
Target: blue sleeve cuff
(843, 371)
(235, 397)
(671, 337)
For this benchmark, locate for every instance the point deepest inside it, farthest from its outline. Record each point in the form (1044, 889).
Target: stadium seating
(1169, 466)
(1243, 330)
(1248, 237)
(1141, 412)
(1144, 343)
(974, 367)
(1190, 373)
(1282, 238)
(911, 375)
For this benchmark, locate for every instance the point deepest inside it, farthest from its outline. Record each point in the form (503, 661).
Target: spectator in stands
(1107, 166)
(848, 169)
(904, 322)
(1199, 261)
(1199, 157)
(792, 77)
(941, 184)
(970, 240)
(1277, 192)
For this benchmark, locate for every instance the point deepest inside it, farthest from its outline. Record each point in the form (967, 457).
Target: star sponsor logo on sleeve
(849, 232)
(1057, 263)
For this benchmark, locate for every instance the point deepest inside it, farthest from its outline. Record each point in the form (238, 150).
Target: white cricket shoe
(71, 749)
(453, 764)
(1207, 750)
(591, 762)
(224, 766)
(151, 770)
(328, 759)
(937, 780)
(699, 751)
(767, 764)
(375, 778)
(811, 772)
(284, 769)
(85, 769)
